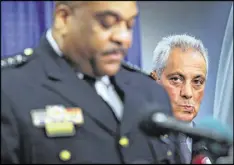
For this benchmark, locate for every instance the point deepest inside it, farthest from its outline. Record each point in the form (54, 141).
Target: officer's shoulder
(18, 59)
(135, 69)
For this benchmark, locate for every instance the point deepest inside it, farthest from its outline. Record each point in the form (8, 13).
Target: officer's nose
(122, 36)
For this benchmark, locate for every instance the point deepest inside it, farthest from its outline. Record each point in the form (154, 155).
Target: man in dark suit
(181, 67)
(70, 100)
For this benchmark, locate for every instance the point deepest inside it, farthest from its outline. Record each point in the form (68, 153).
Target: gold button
(124, 141)
(65, 155)
(28, 51)
(169, 153)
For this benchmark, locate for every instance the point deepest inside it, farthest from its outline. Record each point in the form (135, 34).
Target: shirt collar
(190, 124)
(105, 80)
(53, 43)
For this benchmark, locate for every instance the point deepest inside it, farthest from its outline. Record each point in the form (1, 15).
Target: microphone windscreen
(215, 125)
(201, 159)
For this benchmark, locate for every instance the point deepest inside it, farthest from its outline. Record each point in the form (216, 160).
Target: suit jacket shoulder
(143, 83)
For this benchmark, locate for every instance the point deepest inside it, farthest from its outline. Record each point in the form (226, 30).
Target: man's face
(97, 35)
(184, 79)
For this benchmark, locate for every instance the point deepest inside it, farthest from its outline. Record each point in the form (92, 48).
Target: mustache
(115, 51)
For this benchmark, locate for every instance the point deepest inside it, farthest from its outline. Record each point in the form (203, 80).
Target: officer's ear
(155, 76)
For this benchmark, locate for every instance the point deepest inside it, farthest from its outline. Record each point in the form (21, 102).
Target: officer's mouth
(114, 57)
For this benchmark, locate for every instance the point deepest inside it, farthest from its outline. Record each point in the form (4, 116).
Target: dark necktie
(89, 79)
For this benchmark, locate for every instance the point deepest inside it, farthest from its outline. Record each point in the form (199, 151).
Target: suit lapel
(132, 113)
(62, 80)
(133, 104)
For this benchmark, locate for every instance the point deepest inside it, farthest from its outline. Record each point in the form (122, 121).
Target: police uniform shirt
(103, 85)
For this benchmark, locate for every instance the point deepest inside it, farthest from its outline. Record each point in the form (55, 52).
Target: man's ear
(155, 76)
(61, 15)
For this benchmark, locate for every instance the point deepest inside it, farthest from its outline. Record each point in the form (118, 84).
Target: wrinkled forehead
(188, 62)
(187, 57)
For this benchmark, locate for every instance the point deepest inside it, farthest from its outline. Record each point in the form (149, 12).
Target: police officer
(70, 100)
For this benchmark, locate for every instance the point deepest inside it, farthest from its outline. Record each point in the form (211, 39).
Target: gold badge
(58, 129)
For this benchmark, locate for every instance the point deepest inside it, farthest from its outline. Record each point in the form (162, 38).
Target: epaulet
(17, 59)
(134, 68)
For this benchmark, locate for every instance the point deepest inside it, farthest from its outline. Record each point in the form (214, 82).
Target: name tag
(57, 120)
(58, 129)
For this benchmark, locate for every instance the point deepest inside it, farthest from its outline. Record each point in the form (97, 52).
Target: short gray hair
(165, 46)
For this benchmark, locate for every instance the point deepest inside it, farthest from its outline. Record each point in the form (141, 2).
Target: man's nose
(187, 91)
(122, 36)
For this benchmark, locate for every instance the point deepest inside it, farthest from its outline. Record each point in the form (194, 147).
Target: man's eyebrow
(112, 13)
(199, 76)
(175, 73)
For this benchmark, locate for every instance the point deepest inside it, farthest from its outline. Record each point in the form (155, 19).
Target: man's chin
(110, 69)
(185, 117)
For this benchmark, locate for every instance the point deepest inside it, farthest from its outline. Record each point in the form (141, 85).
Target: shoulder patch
(134, 68)
(17, 59)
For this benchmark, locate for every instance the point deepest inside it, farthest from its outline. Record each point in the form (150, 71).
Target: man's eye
(198, 82)
(108, 21)
(176, 79)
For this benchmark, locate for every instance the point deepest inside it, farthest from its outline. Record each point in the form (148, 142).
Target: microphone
(205, 152)
(210, 123)
(208, 144)
(201, 154)
(157, 123)
(201, 159)
(206, 158)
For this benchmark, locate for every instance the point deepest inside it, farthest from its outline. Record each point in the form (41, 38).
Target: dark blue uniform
(38, 78)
